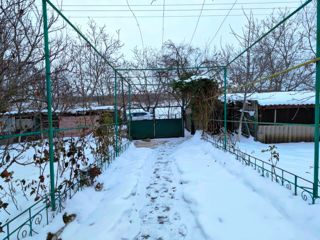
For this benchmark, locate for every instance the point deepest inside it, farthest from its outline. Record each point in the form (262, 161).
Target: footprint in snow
(183, 231)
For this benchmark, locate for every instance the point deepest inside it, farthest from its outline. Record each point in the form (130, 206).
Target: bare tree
(92, 78)
(22, 55)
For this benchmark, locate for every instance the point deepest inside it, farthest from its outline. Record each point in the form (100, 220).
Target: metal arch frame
(224, 68)
(317, 89)
(315, 193)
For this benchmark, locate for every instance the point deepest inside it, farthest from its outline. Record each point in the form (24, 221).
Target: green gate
(167, 128)
(157, 128)
(160, 124)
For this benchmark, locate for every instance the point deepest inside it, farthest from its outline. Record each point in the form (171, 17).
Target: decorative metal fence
(291, 181)
(31, 220)
(109, 135)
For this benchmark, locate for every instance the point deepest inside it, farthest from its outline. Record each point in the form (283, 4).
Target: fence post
(129, 121)
(116, 110)
(255, 127)
(48, 86)
(225, 107)
(316, 111)
(295, 184)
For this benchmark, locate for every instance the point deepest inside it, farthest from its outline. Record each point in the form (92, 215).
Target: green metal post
(316, 111)
(225, 107)
(116, 109)
(255, 127)
(48, 85)
(129, 111)
(123, 101)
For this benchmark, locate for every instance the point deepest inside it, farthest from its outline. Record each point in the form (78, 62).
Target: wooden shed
(274, 117)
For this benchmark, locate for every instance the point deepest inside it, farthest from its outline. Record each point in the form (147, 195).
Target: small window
(139, 114)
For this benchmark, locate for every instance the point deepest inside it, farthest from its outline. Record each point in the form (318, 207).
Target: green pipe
(54, 130)
(80, 33)
(123, 102)
(267, 33)
(150, 84)
(266, 123)
(316, 111)
(48, 86)
(246, 123)
(166, 69)
(129, 112)
(225, 107)
(23, 134)
(83, 37)
(112, 124)
(82, 127)
(116, 109)
(255, 127)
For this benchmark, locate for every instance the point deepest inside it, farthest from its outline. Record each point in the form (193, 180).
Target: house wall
(289, 133)
(287, 115)
(76, 121)
(7, 124)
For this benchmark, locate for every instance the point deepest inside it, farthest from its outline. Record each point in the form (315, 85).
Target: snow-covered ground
(18, 194)
(186, 189)
(294, 157)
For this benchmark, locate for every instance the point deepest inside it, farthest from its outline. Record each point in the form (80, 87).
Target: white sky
(178, 28)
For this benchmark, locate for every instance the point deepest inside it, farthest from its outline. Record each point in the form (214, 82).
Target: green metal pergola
(117, 72)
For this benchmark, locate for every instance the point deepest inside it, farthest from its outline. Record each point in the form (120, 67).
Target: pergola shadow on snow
(32, 216)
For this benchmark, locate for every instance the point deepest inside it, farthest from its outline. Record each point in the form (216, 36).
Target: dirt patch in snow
(148, 143)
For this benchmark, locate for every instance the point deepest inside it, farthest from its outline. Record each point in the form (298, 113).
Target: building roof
(69, 111)
(275, 98)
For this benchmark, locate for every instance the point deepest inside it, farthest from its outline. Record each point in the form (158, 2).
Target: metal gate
(157, 127)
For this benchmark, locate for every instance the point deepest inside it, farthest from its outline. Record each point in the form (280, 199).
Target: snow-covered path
(163, 213)
(185, 189)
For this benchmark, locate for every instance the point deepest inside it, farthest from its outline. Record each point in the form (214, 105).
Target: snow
(251, 113)
(73, 111)
(77, 110)
(185, 188)
(276, 98)
(196, 78)
(29, 172)
(168, 112)
(297, 158)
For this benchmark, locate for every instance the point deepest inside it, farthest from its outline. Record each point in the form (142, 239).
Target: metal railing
(293, 182)
(31, 220)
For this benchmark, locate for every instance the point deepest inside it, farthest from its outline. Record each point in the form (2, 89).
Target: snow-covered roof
(77, 110)
(72, 111)
(195, 78)
(276, 98)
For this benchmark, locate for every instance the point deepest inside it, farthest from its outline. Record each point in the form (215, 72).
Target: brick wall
(76, 121)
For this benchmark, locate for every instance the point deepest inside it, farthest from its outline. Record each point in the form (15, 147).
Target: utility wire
(195, 29)
(266, 78)
(135, 17)
(224, 19)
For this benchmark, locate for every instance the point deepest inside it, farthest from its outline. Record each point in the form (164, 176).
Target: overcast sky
(179, 22)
